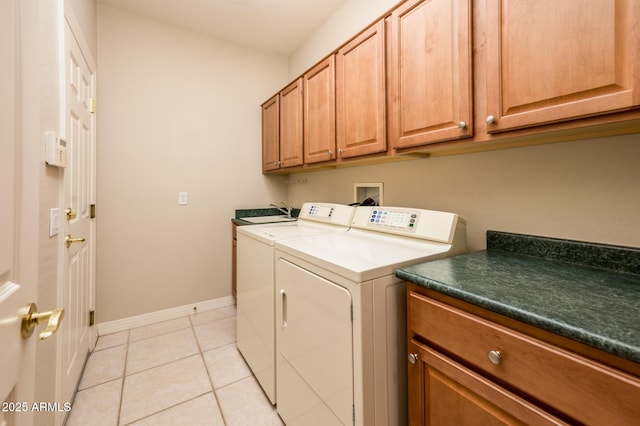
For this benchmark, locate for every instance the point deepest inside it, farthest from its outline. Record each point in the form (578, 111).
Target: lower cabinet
(464, 368)
(443, 392)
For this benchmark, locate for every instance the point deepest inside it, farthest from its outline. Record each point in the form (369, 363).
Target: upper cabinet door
(271, 134)
(360, 94)
(291, 125)
(319, 112)
(550, 60)
(430, 72)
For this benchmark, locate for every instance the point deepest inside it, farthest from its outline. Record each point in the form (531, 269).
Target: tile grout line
(124, 375)
(164, 409)
(163, 333)
(206, 368)
(170, 361)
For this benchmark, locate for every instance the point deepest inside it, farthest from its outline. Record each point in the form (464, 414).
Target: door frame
(68, 18)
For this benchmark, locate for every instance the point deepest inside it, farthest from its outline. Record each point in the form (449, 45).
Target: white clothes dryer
(341, 315)
(255, 302)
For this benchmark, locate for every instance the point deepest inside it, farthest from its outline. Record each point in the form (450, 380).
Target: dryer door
(314, 348)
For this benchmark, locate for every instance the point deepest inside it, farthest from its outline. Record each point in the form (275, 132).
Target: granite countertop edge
(579, 334)
(456, 277)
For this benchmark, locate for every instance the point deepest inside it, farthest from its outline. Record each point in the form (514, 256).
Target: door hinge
(352, 312)
(92, 209)
(353, 413)
(92, 318)
(92, 105)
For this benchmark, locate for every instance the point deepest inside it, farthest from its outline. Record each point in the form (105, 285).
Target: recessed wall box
(364, 191)
(55, 150)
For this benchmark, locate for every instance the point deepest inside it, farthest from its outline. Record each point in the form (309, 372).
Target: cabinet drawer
(585, 390)
(449, 394)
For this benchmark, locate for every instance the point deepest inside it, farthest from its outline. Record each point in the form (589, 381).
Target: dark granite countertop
(548, 283)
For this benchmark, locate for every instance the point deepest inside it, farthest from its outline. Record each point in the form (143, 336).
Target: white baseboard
(167, 314)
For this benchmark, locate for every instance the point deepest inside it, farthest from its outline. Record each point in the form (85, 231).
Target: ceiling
(278, 26)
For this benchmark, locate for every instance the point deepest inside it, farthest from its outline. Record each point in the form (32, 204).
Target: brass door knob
(71, 214)
(68, 240)
(33, 318)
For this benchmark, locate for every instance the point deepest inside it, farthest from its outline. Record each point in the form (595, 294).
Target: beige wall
(584, 190)
(178, 111)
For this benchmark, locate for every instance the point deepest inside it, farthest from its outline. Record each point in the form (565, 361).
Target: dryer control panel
(394, 219)
(417, 223)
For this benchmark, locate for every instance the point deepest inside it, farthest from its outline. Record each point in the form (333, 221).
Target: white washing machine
(255, 285)
(341, 315)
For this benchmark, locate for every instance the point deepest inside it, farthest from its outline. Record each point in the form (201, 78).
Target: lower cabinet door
(443, 392)
(314, 366)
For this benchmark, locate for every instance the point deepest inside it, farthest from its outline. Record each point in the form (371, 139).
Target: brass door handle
(68, 240)
(33, 318)
(71, 214)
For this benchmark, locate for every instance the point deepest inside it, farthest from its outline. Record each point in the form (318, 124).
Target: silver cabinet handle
(413, 358)
(462, 125)
(330, 153)
(491, 119)
(495, 357)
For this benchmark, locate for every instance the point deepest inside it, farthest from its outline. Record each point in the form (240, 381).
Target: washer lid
(314, 218)
(362, 256)
(269, 233)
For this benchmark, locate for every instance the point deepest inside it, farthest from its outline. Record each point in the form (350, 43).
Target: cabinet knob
(413, 358)
(330, 153)
(491, 119)
(340, 151)
(462, 125)
(495, 357)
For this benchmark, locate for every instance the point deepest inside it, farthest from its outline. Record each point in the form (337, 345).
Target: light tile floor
(182, 371)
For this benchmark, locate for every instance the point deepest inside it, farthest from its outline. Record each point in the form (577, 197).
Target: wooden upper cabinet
(360, 94)
(550, 61)
(291, 132)
(430, 72)
(271, 134)
(319, 112)
(282, 129)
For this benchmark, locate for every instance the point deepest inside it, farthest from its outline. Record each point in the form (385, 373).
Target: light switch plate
(54, 222)
(183, 198)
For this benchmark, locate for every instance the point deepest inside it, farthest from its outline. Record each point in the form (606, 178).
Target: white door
(78, 259)
(18, 252)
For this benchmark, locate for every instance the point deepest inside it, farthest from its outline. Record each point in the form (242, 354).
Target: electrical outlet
(183, 199)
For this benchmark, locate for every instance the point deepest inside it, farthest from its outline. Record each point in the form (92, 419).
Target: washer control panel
(320, 211)
(335, 214)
